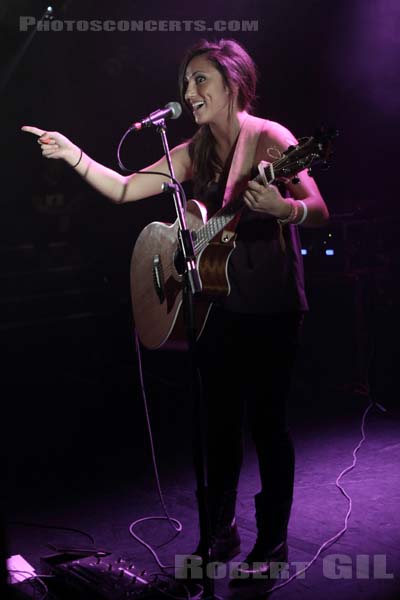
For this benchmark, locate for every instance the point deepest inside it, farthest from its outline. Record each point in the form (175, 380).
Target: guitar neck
(309, 151)
(221, 219)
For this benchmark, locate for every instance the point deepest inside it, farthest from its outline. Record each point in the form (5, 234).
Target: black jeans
(246, 364)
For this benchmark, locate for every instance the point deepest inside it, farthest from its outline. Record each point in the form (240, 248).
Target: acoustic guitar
(157, 268)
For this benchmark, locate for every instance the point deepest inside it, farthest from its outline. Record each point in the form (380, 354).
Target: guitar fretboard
(295, 159)
(219, 221)
(216, 224)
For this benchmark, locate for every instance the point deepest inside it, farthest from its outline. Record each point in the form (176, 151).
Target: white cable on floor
(334, 538)
(175, 523)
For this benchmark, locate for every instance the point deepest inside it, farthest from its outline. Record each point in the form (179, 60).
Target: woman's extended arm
(118, 188)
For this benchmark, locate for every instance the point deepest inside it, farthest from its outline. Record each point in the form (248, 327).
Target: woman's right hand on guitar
(55, 145)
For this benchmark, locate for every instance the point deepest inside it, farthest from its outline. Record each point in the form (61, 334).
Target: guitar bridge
(158, 278)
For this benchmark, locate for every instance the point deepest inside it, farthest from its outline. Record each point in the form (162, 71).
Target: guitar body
(157, 280)
(157, 268)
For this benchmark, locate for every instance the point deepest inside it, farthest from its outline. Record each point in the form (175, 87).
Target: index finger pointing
(34, 130)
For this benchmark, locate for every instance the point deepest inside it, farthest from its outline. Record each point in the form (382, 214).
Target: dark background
(70, 391)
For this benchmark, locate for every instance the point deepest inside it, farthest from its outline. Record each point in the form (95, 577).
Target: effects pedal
(101, 578)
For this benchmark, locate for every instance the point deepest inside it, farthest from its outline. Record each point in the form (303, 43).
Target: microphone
(172, 110)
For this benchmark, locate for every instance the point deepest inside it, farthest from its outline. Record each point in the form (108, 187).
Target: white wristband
(305, 212)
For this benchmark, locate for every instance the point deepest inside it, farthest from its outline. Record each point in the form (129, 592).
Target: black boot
(270, 549)
(224, 535)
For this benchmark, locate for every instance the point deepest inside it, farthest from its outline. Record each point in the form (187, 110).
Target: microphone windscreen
(176, 109)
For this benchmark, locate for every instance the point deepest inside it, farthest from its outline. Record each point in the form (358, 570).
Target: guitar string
(206, 233)
(170, 268)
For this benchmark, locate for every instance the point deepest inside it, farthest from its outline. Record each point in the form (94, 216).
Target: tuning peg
(288, 150)
(309, 171)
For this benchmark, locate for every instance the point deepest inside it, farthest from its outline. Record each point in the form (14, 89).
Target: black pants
(246, 363)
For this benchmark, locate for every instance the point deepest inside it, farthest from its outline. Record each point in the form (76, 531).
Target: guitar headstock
(309, 152)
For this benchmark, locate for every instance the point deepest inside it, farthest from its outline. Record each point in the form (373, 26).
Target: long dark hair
(238, 72)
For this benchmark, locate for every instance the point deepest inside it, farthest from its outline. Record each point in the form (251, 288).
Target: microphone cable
(328, 543)
(175, 523)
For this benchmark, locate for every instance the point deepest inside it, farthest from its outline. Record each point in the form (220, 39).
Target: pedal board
(101, 578)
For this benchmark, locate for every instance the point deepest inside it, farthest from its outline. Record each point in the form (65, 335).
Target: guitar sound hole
(179, 262)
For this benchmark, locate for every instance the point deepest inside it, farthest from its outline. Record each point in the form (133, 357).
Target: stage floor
(107, 489)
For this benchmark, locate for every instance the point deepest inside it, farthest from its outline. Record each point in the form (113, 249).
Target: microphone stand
(191, 285)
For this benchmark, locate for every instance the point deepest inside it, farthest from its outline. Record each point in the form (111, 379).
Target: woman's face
(206, 93)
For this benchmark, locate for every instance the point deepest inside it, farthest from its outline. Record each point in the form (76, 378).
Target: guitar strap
(248, 151)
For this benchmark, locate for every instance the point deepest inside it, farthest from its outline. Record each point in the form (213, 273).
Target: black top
(265, 274)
